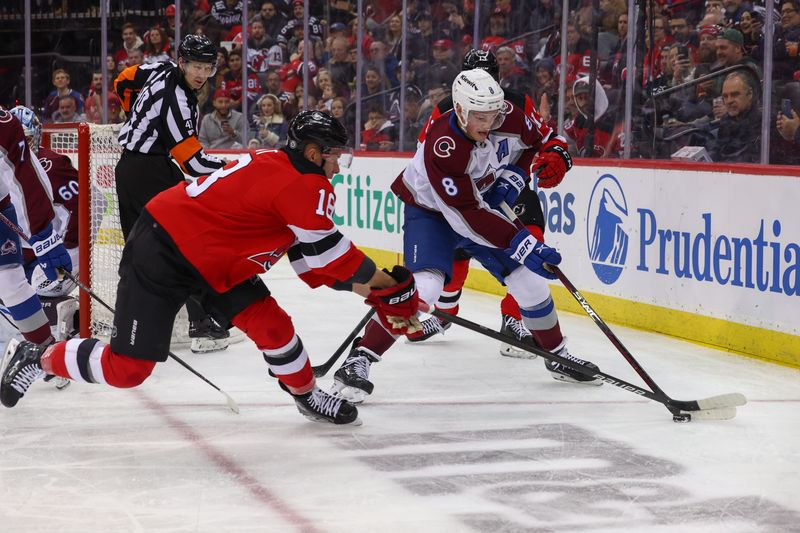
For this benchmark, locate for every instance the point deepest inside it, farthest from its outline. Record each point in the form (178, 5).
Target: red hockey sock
(376, 339)
(92, 361)
(509, 306)
(548, 339)
(40, 335)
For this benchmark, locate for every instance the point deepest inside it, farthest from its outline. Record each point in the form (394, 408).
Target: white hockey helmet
(477, 90)
(30, 125)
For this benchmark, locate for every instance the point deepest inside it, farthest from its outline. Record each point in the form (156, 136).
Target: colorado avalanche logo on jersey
(8, 247)
(5, 116)
(606, 237)
(47, 164)
(266, 260)
(444, 146)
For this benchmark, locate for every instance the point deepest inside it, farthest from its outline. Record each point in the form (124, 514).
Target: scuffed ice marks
(553, 478)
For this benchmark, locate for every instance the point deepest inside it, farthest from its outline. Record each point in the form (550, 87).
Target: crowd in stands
(690, 39)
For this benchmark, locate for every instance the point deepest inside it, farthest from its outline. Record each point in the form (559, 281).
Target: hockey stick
(721, 407)
(323, 369)
(715, 402)
(16, 229)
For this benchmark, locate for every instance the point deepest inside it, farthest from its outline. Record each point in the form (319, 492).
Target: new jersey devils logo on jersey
(46, 164)
(267, 259)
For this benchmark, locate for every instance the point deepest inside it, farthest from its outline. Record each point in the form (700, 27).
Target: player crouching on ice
(213, 237)
(474, 157)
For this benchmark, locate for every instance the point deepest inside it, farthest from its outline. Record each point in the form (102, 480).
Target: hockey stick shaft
(15, 227)
(323, 369)
(714, 402)
(592, 313)
(229, 400)
(717, 402)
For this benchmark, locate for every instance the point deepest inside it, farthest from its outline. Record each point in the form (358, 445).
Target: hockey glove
(50, 252)
(397, 305)
(510, 182)
(525, 249)
(551, 164)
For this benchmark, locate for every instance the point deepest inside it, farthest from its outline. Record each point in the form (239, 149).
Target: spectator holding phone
(788, 122)
(221, 129)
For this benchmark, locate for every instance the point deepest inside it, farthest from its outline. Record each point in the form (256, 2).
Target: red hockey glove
(551, 164)
(397, 305)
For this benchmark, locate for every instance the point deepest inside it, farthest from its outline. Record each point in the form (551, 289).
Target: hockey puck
(682, 418)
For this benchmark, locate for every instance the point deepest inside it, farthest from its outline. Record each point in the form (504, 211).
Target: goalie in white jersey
(473, 158)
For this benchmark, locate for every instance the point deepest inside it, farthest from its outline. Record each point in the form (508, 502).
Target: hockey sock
(290, 364)
(92, 361)
(23, 304)
(376, 338)
(509, 306)
(451, 293)
(542, 321)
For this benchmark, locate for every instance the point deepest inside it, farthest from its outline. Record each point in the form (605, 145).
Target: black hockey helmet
(318, 127)
(483, 59)
(198, 48)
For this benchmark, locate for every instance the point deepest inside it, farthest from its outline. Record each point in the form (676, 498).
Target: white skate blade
(208, 345)
(350, 394)
(61, 383)
(506, 350)
(569, 379)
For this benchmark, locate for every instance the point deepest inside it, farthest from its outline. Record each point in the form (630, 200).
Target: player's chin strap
(16, 229)
(675, 406)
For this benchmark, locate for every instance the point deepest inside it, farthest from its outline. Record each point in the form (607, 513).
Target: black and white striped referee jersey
(162, 116)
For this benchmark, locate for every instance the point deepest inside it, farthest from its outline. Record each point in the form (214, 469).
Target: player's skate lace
(561, 372)
(430, 327)
(351, 381)
(516, 328)
(26, 377)
(325, 403)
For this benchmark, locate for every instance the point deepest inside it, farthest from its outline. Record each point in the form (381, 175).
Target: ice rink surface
(455, 438)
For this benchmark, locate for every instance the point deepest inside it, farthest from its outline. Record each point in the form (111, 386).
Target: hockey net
(94, 151)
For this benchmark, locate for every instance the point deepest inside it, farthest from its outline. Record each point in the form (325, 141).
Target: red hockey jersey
(242, 219)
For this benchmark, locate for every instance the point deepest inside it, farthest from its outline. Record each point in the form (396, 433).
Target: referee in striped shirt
(161, 102)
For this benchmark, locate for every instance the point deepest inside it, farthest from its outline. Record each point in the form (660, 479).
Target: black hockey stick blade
(724, 401)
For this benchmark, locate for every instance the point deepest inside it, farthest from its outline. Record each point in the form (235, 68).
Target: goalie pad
(62, 314)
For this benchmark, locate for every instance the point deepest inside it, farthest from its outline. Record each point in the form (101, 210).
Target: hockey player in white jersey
(60, 307)
(26, 200)
(473, 158)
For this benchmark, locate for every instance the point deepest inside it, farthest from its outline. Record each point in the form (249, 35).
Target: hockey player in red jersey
(471, 160)
(25, 200)
(211, 238)
(552, 165)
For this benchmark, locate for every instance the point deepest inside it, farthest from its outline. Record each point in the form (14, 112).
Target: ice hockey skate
(430, 327)
(208, 336)
(516, 328)
(351, 381)
(21, 368)
(568, 375)
(320, 406)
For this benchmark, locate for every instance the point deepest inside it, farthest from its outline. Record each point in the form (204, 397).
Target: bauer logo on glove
(396, 306)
